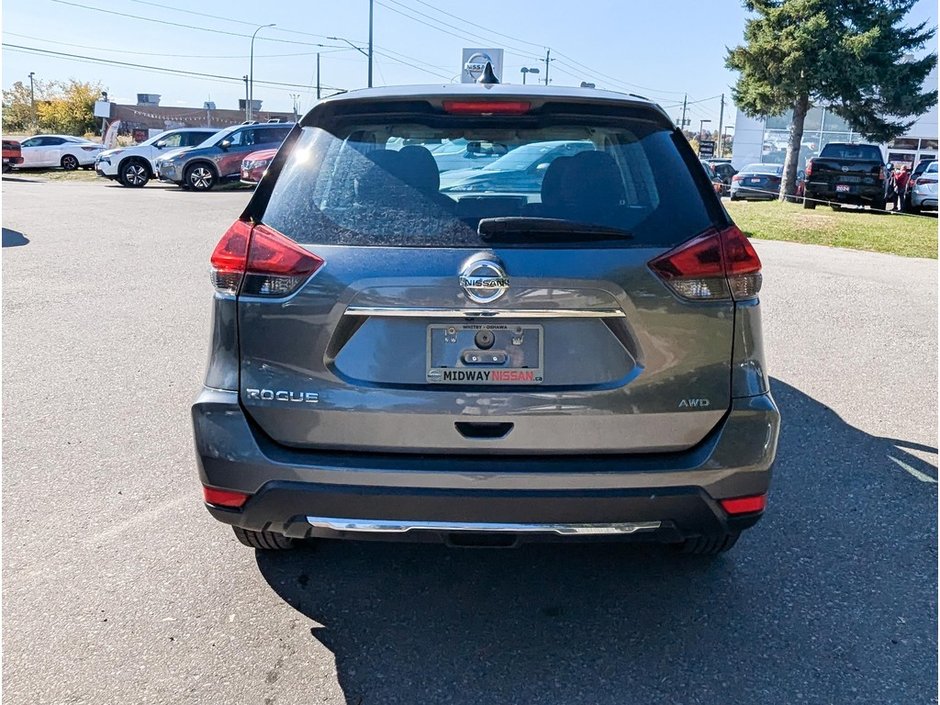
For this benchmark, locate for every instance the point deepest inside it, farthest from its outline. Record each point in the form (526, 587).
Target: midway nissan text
(576, 354)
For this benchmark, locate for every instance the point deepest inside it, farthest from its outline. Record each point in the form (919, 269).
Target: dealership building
(765, 141)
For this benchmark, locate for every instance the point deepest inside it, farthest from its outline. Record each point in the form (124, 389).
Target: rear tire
(69, 162)
(263, 540)
(835, 206)
(808, 203)
(709, 545)
(879, 205)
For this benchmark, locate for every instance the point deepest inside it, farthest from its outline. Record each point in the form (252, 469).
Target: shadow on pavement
(831, 598)
(14, 238)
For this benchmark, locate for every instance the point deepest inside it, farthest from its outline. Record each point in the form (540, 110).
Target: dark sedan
(757, 182)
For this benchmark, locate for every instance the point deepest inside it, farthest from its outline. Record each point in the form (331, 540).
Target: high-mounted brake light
(744, 505)
(259, 261)
(487, 107)
(712, 266)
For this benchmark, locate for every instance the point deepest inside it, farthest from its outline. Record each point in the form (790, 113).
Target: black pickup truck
(846, 174)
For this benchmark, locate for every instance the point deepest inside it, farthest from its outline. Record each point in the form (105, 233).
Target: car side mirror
(225, 144)
(473, 148)
(160, 144)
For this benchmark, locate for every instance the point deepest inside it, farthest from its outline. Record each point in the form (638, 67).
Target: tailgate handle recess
(482, 430)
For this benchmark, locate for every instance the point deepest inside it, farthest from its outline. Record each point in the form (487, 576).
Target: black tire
(879, 205)
(7, 168)
(134, 173)
(200, 177)
(709, 545)
(69, 162)
(809, 203)
(263, 540)
(733, 197)
(835, 206)
(913, 210)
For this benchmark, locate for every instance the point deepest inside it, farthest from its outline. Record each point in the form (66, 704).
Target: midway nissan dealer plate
(478, 353)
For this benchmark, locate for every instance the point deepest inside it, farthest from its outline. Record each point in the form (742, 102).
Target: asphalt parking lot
(119, 588)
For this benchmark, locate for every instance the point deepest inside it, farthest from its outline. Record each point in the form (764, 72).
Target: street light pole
(371, 13)
(701, 128)
(525, 71)
(251, 71)
(365, 53)
(245, 79)
(32, 99)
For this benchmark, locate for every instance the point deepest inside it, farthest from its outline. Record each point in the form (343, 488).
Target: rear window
(866, 152)
(427, 182)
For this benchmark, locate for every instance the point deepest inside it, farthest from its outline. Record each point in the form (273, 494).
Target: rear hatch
(587, 311)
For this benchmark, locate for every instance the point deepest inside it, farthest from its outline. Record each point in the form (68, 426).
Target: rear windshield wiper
(546, 229)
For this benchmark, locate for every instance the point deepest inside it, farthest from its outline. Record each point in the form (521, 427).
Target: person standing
(900, 186)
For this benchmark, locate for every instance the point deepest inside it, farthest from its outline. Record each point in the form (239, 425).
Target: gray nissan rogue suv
(573, 353)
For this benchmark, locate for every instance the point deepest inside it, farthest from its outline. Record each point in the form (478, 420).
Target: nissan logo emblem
(483, 280)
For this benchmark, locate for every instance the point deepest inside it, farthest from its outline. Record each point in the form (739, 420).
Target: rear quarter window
(386, 184)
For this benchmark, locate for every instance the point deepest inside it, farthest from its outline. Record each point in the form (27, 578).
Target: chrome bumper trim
(401, 526)
(408, 312)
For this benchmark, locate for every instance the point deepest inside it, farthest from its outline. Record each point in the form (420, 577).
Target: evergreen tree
(855, 57)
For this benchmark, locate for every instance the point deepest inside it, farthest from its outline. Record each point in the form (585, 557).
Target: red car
(12, 155)
(255, 164)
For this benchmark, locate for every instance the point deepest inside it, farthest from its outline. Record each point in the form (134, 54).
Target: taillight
(881, 173)
(487, 107)
(715, 265)
(921, 182)
(808, 172)
(224, 498)
(259, 261)
(91, 149)
(737, 177)
(744, 505)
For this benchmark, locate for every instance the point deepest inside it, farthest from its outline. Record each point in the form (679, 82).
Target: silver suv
(573, 351)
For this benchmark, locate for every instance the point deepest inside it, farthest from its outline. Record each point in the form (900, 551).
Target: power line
(125, 52)
(188, 26)
(411, 61)
(144, 67)
(464, 33)
(486, 29)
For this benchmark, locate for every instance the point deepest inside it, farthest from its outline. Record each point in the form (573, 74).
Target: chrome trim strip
(416, 312)
(401, 526)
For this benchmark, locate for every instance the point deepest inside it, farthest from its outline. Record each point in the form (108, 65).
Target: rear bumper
(662, 497)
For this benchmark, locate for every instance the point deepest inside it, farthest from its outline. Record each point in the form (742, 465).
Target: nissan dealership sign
(474, 61)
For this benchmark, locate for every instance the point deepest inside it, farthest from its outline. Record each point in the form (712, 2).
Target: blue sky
(658, 49)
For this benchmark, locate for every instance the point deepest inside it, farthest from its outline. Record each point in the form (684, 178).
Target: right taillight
(921, 182)
(256, 260)
(737, 177)
(808, 172)
(713, 266)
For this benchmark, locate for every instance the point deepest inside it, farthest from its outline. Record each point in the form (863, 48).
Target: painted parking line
(911, 471)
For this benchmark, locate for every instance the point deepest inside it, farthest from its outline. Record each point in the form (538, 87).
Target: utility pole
(246, 99)
(295, 97)
(685, 100)
(548, 54)
(318, 75)
(32, 99)
(721, 120)
(371, 13)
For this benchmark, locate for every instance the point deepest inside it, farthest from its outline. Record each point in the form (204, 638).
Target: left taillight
(224, 498)
(256, 260)
(715, 265)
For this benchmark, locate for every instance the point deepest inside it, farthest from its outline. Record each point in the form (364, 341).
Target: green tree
(65, 107)
(848, 55)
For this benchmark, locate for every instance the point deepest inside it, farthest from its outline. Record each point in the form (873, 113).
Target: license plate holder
(513, 357)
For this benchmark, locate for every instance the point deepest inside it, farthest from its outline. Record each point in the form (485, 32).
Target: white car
(59, 150)
(924, 192)
(135, 166)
